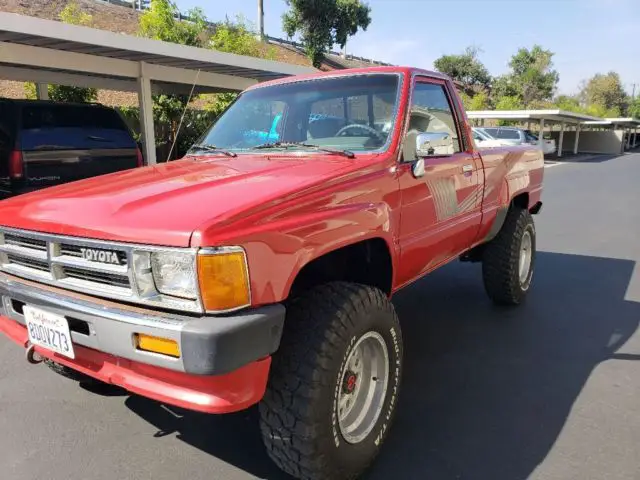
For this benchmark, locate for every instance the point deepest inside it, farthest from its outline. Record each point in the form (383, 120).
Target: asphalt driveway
(547, 391)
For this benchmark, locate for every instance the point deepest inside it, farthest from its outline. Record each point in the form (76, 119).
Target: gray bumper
(209, 345)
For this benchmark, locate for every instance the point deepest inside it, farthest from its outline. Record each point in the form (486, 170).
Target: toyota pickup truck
(259, 268)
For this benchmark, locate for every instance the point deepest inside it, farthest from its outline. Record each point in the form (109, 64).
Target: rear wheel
(509, 259)
(334, 382)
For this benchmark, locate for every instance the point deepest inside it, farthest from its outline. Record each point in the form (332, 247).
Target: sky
(587, 36)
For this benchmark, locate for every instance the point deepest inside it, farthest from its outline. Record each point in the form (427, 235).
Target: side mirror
(433, 145)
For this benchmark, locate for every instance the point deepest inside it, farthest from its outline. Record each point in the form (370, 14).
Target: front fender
(277, 256)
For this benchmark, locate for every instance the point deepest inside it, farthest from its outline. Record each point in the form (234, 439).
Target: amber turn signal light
(163, 346)
(224, 280)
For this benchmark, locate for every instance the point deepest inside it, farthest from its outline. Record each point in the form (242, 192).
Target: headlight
(174, 274)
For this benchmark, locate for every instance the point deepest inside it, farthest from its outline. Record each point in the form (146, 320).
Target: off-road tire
(298, 415)
(501, 256)
(70, 372)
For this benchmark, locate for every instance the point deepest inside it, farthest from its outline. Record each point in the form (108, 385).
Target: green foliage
(508, 103)
(240, 38)
(504, 86)
(63, 93)
(73, 15)
(159, 22)
(605, 93)
(219, 102)
(466, 100)
(532, 77)
(466, 68)
(597, 110)
(568, 103)
(322, 24)
(480, 101)
(575, 104)
(634, 108)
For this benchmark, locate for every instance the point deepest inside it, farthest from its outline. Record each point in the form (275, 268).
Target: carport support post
(541, 137)
(560, 139)
(42, 91)
(628, 139)
(635, 137)
(146, 116)
(577, 140)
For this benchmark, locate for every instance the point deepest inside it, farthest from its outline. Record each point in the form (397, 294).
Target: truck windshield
(354, 113)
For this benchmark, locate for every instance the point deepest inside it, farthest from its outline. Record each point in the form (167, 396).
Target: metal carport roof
(46, 51)
(625, 122)
(112, 60)
(559, 116)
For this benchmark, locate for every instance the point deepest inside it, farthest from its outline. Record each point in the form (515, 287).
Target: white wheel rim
(363, 387)
(524, 266)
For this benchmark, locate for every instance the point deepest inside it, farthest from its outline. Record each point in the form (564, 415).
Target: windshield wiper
(212, 148)
(346, 153)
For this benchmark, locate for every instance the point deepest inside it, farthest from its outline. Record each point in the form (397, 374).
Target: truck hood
(164, 204)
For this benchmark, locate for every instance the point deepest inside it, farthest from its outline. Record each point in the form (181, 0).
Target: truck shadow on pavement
(486, 390)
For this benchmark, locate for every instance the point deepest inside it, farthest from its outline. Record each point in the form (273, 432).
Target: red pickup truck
(259, 269)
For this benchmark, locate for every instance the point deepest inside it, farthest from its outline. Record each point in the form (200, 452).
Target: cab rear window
(50, 127)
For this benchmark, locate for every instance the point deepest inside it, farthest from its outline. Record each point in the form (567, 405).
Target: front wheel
(334, 382)
(71, 373)
(509, 259)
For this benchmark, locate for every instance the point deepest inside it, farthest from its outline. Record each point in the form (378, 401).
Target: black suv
(44, 143)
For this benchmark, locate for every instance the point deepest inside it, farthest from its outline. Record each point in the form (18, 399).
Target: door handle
(467, 168)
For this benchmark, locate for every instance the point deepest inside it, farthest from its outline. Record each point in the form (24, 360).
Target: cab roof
(353, 71)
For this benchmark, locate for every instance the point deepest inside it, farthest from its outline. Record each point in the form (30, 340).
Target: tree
(533, 74)
(480, 101)
(509, 103)
(532, 79)
(568, 103)
(73, 15)
(466, 68)
(634, 108)
(323, 23)
(605, 93)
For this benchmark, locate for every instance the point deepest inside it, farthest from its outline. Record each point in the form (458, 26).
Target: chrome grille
(97, 277)
(25, 242)
(28, 262)
(104, 269)
(59, 261)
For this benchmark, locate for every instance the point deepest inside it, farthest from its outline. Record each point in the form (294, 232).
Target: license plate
(48, 330)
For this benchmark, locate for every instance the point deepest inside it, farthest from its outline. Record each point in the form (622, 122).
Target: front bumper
(226, 355)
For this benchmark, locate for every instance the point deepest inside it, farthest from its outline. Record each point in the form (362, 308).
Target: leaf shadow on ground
(486, 390)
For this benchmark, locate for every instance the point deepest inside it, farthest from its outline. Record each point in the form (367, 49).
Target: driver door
(440, 209)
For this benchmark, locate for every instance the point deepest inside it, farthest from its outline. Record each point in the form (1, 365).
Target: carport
(45, 51)
(631, 125)
(622, 127)
(542, 117)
